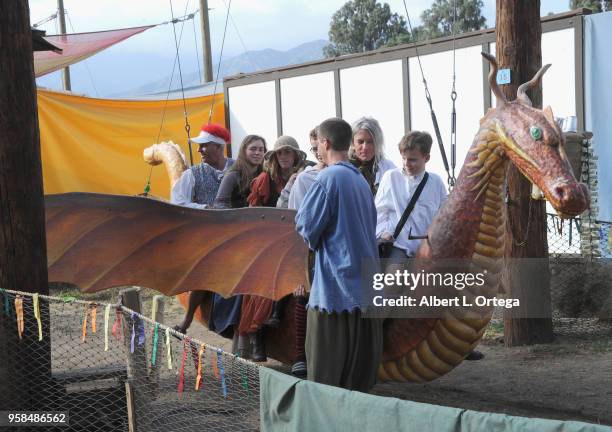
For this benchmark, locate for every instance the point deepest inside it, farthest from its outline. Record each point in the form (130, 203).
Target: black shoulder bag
(385, 247)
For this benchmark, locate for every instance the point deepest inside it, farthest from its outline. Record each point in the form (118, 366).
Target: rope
(453, 138)
(212, 104)
(187, 127)
(428, 97)
(93, 84)
(195, 42)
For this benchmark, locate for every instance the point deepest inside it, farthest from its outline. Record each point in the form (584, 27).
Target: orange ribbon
(19, 314)
(199, 377)
(90, 310)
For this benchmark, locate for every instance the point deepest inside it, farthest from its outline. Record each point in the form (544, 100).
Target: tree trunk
(25, 365)
(518, 48)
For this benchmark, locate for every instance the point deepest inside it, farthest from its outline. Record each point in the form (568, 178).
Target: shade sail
(78, 46)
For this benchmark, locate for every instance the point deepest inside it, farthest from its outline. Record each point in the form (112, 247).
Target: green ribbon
(154, 349)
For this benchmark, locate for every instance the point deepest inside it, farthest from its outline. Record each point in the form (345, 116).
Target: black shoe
(475, 355)
(258, 348)
(299, 369)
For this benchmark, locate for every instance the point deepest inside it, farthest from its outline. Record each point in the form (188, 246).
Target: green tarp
(291, 404)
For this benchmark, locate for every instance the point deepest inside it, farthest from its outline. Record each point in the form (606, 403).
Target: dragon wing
(100, 241)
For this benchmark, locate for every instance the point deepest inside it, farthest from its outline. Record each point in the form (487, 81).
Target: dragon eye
(535, 132)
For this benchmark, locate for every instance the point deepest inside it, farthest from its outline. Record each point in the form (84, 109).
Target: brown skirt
(254, 313)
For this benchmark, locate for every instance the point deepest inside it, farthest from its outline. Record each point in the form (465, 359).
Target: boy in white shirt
(396, 189)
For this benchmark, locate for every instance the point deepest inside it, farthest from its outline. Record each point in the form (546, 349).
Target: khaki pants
(343, 349)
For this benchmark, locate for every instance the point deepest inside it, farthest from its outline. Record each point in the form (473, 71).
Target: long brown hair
(273, 167)
(242, 165)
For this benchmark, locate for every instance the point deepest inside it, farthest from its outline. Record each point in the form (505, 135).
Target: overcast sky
(277, 24)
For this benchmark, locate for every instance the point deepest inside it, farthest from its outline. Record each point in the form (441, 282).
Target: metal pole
(206, 53)
(62, 23)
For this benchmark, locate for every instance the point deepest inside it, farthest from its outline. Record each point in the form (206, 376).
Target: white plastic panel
(559, 82)
(438, 70)
(305, 102)
(376, 91)
(252, 110)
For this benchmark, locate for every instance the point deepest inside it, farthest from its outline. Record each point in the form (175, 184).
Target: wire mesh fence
(113, 369)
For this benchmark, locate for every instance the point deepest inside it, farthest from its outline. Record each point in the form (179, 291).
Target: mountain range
(247, 62)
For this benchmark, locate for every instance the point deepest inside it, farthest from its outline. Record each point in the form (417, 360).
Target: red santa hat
(212, 133)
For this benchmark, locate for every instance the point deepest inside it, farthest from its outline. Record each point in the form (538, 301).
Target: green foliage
(438, 20)
(594, 5)
(364, 25)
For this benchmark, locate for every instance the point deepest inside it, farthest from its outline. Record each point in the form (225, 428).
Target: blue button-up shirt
(338, 221)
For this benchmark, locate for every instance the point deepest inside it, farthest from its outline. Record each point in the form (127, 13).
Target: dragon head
(532, 140)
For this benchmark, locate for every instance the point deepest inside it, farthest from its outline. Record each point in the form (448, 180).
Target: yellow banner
(95, 145)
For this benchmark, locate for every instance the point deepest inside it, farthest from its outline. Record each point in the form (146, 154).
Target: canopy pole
(206, 51)
(62, 23)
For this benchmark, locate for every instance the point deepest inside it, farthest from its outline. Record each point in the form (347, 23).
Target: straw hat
(285, 141)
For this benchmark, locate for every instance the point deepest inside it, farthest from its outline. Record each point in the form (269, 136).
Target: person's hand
(299, 291)
(387, 237)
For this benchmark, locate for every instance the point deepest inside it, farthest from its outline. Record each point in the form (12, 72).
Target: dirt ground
(570, 379)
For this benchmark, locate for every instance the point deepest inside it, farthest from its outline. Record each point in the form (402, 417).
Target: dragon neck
(487, 170)
(472, 223)
(170, 155)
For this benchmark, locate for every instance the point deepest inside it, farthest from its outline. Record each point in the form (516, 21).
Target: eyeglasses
(314, 149)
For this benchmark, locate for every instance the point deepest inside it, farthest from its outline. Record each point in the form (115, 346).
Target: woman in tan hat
(280, 164)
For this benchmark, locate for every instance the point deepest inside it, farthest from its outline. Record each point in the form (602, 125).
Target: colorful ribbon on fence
(117, 327)
(91, 312)
(199, 376)
(36, 306)
(7, 303)
(215, 367)
(222, 370)
(181, 385)
(137, 327)
(106, 319)
(154, 347)
(245, 381)
(19, 315)
(168, 349)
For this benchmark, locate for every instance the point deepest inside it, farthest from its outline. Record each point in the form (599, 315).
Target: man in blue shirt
(338, 221)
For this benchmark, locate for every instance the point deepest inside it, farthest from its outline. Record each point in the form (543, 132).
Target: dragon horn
(501, 99)
(521, 94)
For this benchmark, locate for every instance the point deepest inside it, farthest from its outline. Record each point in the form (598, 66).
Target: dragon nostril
(561, 192)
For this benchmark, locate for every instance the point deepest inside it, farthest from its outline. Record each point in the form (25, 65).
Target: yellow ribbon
(106, 319)
(168, 349)
(19, 315)
(36, 305)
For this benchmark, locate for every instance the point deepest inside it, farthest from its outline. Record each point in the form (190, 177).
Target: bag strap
(410, 206)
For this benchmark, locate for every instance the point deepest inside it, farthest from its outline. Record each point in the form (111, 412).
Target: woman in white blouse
(396, 189)
(367, 151)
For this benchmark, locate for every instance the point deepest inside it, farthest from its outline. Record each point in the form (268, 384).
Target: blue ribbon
(222, 371)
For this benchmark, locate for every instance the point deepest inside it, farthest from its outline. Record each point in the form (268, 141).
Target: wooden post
(518, 48)
(158, 306)
(26, 365)
(137, 360)
(129, 399)
(61, 14)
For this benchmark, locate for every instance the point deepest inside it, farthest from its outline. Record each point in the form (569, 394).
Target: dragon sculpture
(98, 241)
